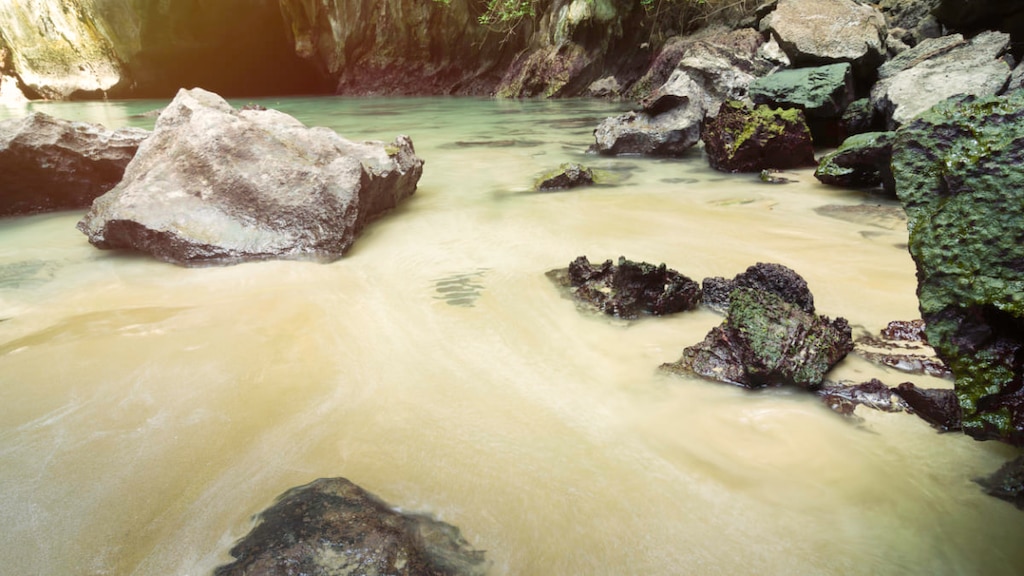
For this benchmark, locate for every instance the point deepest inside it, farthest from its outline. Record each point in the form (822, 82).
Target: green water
(147, 411)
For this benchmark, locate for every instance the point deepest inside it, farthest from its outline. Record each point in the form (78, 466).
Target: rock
(939, 69)
(570, 175)
(333, 527)
(1007, 483)
(959, 171)
(901, 345)
(873, 394)
(1016, 78)
(628, 289)
(671, 133)
(607, 87)
(861, 161)
(709, 71)
(780, 280)
(739, 139)
(859, 117)
(50, 164)
(936, 406)
(766, 341)
(815, 32)
(213, 185)
(822, 92)
(913, 17)
(982, 15)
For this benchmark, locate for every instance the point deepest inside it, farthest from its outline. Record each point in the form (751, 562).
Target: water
(147, 411)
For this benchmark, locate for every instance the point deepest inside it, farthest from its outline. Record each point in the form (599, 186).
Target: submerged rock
(862, 160)
(51, 164)
(214, 185)
(766, 341)
(333, 527)
(628, 289)
(570, 175)
(1007, 483)
(937, 406)
(902, 345)
(780, 280)
(873, 394)
(740, 139)
(959, 172)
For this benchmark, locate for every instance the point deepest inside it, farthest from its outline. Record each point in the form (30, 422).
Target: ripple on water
(460, 289)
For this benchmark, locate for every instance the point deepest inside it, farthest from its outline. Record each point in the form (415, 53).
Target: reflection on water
(148, 411)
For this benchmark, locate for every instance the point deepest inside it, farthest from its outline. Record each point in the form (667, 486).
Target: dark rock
(49, 164)
(822, 92)
(901, 345)
(570, 175)
(938, 69)
(807, 31)
(333, 527)
(959, 172)
(873, 394)
(1007, 483)
(913, 17)
(859, 117)
(213, 185)
(739, 139)
(628, 289)
(938, 407)
(975, 16)
(862, 160)
(766, 341)
(780, 280)
(905, 330)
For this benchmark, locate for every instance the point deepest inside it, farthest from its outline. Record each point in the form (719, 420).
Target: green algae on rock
(862, 160)
(741, 139)
(959, 172)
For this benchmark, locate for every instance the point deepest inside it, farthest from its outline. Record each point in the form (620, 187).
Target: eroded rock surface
(628, 289)
(51, 164)
(332, 527)
(780, 280)
(861, 161)
(741, 139)
(214, 185)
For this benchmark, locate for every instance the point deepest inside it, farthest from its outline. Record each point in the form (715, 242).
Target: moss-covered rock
(862, 160)
(741, 139)
(766, 341)
(568, 175)
(822, 92)
(959, 172)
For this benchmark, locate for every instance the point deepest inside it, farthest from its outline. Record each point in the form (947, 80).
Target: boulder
(938, 69)
(1007, 483)
(769, 277)
(815, 32)
(741, 139)
(859, 117)
(861, 161)
(569, 175)
(959, 171)
(936, 406)
(628, 289)
(975, 16)
(670, 133)
(766, 341)
(333, 527)
(912, 18)
(822, 92)
(50, 164)
(214, 185)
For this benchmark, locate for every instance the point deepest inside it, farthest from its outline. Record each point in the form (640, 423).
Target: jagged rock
(862, 160)
(1007, 483)
(913, 17)
(902, 345)
(959, 172)
(815, 32)
(670, 133)
(570, 175)
(332, 527)
(766, 341)
(939, 69)
(770, 277)
(873, 394)
(50, 164)
(213, 185)
(607, 87)
(859, 117)
(822, 92)
(628, 289)
(740, 139)
(936, 406)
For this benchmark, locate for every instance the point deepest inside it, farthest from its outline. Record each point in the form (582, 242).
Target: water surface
(147, 411)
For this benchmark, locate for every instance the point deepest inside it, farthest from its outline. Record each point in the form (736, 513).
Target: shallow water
(147, 411)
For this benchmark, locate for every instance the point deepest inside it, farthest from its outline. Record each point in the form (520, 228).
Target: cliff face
(63, 49)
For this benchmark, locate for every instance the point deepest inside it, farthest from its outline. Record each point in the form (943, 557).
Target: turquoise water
(147, 411)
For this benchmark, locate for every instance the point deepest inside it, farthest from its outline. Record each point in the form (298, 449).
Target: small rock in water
(770, 277)
(873, 394)
(568, 176)
(333, 527)
(901, 345)
(1007, 483)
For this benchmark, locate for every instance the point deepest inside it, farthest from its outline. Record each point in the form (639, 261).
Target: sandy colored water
(147, 411)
